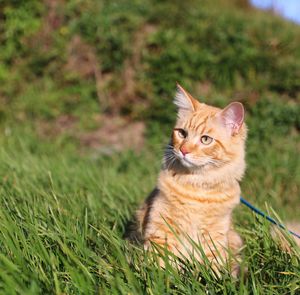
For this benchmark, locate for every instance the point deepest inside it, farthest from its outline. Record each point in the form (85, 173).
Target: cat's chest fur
(195, 209)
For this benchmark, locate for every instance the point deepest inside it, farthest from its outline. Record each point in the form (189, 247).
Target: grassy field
(68, 186)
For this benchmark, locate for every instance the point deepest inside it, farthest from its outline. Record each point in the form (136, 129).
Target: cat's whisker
(169, 162)
(172, 162)
(169, 159)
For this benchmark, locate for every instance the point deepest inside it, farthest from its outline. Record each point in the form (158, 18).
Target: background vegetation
(86, 93)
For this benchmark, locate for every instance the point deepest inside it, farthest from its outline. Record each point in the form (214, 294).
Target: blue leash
(243, 201)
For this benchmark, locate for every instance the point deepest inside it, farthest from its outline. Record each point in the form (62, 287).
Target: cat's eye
(181, 133)
(205, 139)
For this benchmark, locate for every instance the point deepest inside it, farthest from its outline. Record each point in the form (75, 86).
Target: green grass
(64, 206)
(63, 214)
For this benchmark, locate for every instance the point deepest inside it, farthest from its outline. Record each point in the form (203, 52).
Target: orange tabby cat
(198, 186)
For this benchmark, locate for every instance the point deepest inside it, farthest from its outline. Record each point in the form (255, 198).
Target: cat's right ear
(184, 101)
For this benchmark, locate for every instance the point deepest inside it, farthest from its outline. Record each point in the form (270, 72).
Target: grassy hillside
(86, 92)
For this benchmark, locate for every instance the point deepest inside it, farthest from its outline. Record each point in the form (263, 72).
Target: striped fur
(197, 192)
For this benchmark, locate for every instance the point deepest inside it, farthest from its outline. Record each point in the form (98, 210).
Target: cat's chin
(187, 164)
(190, 165)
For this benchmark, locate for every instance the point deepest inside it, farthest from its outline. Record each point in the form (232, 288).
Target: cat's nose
(184, 150)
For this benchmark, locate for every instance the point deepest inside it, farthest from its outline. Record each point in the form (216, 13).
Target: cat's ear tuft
(184, 101)
(233, 117)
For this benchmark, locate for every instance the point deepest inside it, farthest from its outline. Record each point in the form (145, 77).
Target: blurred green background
(64, 64)
(98, 77)
(86, 90)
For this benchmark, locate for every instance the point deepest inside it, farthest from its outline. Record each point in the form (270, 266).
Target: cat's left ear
(232, 117)
(184, 101)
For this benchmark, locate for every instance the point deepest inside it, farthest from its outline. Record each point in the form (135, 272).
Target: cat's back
(136, 226)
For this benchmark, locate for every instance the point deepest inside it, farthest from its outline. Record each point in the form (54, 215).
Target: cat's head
(205, 137)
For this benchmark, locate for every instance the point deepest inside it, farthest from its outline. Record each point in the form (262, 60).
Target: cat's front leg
(163, 249)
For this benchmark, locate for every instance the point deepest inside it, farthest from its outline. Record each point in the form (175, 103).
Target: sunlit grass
(63, 215)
